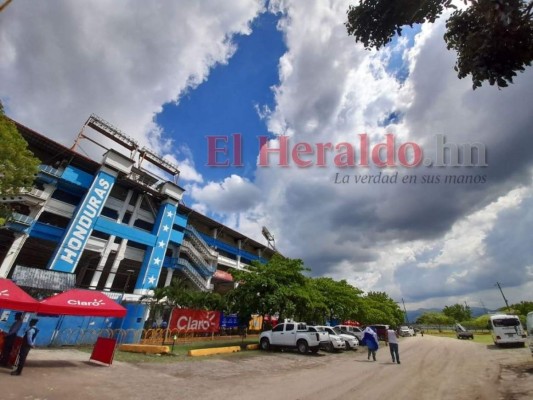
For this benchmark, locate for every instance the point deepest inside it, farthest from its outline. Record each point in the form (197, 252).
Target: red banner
(187, 320)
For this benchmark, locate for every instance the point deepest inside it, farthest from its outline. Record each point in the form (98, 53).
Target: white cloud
(120, 60)
(406, 239)
(234, 194)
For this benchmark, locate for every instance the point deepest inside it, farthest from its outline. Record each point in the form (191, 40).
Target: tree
(458, 312)
(434, 318)
(379, 308)
(521, 308)
(274, 287)
(493, 38)
(340, 300)
(18, 166)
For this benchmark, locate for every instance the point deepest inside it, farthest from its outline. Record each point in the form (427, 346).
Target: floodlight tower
(270, 238)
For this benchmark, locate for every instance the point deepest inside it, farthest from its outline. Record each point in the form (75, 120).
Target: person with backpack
(28, 343)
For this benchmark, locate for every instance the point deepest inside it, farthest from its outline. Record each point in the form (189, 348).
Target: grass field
(482, 337)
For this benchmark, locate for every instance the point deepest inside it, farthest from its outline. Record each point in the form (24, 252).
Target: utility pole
(406, 317)
(504, 299)
(483, 305)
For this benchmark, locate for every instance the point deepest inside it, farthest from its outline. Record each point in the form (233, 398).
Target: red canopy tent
(82, 302)
(13, 297)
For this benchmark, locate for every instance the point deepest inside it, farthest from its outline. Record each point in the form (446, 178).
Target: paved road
(432, 368)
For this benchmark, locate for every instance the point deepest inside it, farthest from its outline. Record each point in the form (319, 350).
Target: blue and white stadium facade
(114, 225)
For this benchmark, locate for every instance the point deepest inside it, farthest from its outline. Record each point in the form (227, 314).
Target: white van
(530, 330)
(507, 329)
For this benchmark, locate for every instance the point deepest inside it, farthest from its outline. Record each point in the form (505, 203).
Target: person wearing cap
(28, 343)
(9, 340)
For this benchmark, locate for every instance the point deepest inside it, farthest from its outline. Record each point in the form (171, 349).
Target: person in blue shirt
(370, 338)
(9, 340)
(28, 343)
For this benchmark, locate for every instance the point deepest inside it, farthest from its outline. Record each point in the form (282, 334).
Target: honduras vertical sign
(71, 248)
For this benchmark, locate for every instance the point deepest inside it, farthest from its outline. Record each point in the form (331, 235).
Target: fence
(166, 336)
(80, 337)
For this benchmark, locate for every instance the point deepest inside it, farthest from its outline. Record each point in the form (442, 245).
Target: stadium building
(115, 225)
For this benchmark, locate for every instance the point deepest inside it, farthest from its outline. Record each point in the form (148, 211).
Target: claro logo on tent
(95, 303)
(187, 322)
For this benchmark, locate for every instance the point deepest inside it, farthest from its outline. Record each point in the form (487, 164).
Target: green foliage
(493, 38)
(375, 22)
(481, 322)
(340, 299)
(280, 287)
(379, 308)
(18, 166)
(434, 318)
(179, 294)
(458, 312)
(275, 287)
(521, 308)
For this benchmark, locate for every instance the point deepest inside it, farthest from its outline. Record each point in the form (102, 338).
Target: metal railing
(191, 232)
(197, 257)
(192, 273)
(20, 219)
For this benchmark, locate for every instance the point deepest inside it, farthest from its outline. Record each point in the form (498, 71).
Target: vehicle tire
(265, 344)
(303, 347)
(347, 346)
(314, 350)
(472, 337)
(331, 349)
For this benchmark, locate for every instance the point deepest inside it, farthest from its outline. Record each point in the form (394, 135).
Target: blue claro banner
(71, 248)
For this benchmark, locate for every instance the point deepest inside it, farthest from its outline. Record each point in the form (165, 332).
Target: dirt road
(432, 368)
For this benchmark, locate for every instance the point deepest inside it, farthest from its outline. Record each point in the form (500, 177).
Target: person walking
(392, 340)
(28, 343)
(9, 340)
(370, 338)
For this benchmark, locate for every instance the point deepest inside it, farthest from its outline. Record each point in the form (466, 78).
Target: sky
(192, 79)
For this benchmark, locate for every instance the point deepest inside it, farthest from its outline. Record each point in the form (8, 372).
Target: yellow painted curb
(145, 348)
(252, 347)
(215, 350)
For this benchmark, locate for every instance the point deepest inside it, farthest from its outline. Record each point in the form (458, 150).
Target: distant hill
(413, 315)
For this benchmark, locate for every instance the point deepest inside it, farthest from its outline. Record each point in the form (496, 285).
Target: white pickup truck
(292, 335)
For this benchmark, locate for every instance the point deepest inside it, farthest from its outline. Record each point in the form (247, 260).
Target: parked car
(463, 333)
(334, 342)
(351, 341)
(292, 335)
(351, 330)
(381, 331)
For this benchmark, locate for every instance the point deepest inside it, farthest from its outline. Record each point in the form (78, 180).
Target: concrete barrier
(145, 348)
(214, 350)
(252, 346)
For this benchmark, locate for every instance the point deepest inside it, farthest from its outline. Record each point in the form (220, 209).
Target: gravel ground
(432, 368)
